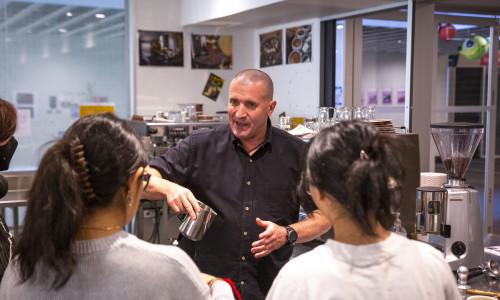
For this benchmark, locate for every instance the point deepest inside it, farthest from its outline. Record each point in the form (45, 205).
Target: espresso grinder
(449, 217)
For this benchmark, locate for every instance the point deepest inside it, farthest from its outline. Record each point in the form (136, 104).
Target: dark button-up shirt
(240, 188)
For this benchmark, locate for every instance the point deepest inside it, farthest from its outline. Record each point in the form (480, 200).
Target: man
(246, 171)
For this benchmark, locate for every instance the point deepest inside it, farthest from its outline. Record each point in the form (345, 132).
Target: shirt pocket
(278, 200)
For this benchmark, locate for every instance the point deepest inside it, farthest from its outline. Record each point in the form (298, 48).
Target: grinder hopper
(456, 143)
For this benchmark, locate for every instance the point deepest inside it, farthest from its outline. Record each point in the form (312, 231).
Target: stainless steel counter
(483, 282)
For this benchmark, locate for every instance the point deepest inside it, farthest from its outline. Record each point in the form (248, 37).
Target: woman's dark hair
(57, 201)
(8, 120)
(357, 165)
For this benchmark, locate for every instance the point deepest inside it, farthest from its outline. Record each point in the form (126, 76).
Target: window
(54, 56)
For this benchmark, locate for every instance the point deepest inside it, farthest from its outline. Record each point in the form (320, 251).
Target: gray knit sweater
(120, 266)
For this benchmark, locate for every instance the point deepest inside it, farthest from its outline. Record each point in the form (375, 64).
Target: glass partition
(55, 57)
(461, 95)
(384, 66)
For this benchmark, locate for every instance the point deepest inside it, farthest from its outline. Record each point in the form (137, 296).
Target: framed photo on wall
(372, 97)
(271, 49)
(161, 48)
(298, 44)
(401, 96)
(211, 51)
(387, 96)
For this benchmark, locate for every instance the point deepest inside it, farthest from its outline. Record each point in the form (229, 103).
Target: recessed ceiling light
(100, 16)
(340, 26)
(62, 30)
(69, 14)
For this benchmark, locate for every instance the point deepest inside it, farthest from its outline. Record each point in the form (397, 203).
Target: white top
(396, 268)
(120, 266)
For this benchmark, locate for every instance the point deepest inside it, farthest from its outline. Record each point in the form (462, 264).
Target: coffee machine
(449, 217)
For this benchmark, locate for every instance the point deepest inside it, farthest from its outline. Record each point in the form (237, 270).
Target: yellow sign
(96, 108)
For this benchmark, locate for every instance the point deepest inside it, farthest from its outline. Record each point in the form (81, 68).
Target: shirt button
(247, 208)
(248, 183)
(243, 258)
(242, 282)
(250, 160)
(245, 233)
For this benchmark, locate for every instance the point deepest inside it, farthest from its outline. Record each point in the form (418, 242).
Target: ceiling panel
(22, 17)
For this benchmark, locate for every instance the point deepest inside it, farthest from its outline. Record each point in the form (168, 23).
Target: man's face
(248, 109)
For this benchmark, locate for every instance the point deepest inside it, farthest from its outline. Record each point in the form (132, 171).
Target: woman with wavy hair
(8, 145)
(354, 175)
(8, 125)
(73, 246)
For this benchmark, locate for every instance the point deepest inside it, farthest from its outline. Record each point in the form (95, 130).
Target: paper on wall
(23, 123)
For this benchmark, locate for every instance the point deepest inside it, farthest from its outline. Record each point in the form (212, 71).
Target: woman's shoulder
(311, 260)
(129, 246)
(422, 248)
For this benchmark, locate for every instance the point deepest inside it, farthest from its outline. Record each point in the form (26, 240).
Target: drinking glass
(286, 123)
(191, 113)
(323, 118)
(370, 112)
(358, 113)
(345, 113)
(310, 123)
(397, 227)
(324, 115)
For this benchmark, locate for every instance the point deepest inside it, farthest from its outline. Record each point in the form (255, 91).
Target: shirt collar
(267, 140)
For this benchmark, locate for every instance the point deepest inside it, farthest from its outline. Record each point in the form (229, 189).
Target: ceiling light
(100, 16)
(62, 30)
(69, 14)
(340, 26)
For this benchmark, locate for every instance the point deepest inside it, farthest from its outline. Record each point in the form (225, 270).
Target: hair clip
(77, 157)
(363, 155)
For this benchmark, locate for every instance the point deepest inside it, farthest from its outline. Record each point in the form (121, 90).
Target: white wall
(296, 86)
(162, 88)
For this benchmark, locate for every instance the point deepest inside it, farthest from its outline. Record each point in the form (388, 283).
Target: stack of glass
(339, 114)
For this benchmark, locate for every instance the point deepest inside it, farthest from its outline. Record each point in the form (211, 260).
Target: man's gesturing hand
(273, 237)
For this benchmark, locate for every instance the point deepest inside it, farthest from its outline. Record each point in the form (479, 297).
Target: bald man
(246, 171)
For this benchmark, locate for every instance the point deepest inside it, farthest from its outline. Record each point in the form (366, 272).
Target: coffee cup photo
(298, 44)
(294, 57)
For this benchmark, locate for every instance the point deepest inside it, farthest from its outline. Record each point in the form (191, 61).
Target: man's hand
(179, 198)
(271, 239)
